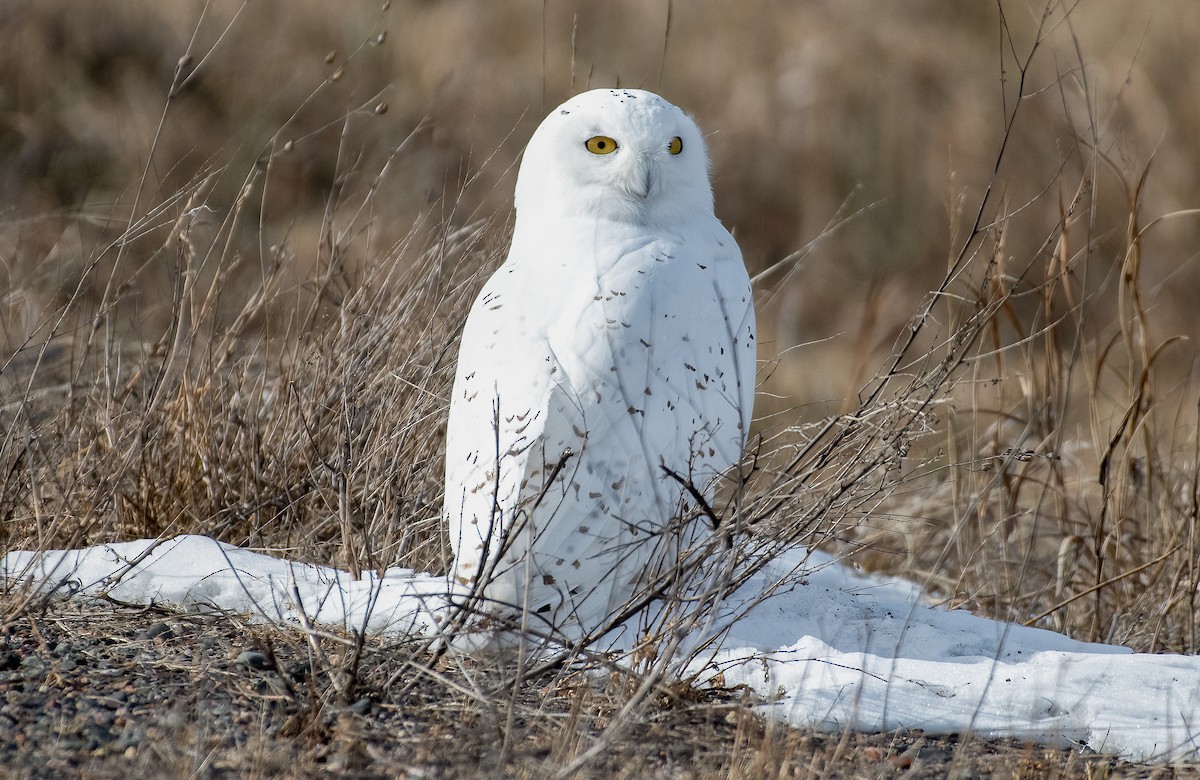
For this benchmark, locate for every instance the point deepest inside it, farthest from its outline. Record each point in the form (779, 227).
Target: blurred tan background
(884, 119)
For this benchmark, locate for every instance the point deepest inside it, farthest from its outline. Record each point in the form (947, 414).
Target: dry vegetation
(237, 242)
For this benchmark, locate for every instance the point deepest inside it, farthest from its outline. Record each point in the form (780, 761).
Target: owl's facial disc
(635, 164)
(618, 154)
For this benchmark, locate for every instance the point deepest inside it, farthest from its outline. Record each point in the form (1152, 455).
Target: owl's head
(621, 154)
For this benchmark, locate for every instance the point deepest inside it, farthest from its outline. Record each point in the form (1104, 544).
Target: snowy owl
(606, 372)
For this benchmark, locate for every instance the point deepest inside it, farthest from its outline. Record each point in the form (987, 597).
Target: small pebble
(157, 630)
(252, 659)
(9, 660)
(68, 661)
(935, 755)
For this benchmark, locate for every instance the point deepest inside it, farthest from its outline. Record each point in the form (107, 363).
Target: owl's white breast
(626, 359)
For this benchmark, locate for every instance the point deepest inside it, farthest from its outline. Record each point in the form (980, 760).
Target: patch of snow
(199, 572)
(830, 648)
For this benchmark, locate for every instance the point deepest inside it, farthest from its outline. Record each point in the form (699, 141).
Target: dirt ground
(104, 690)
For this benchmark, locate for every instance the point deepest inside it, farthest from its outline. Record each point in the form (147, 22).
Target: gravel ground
(105, 690)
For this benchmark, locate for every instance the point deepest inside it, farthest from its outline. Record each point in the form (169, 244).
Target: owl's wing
(498, 411)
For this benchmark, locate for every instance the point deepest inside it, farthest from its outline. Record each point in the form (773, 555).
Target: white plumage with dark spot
(611, 356)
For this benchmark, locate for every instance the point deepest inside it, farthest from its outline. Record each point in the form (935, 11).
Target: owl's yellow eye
(676, 145)
(600, 144)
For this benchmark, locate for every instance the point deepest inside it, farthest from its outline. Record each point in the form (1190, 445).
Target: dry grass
(238, 243)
